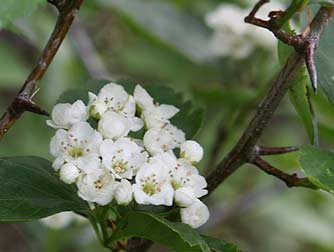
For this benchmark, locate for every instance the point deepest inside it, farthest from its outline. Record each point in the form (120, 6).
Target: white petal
(184, 196)
(136, 123)
(142, 98)
(168, 111)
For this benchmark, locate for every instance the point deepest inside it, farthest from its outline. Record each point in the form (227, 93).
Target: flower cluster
(233, 37)
(107, 164)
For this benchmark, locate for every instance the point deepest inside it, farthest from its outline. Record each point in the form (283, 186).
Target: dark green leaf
(166, 23)
(218, 245)
(12, 9)
(72, 96)
(30, 190)
(178, 236)
(318, 165)
(325, 62)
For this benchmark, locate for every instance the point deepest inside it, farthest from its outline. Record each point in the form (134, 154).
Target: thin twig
(290, 180)
(23, 100)
(243, 151)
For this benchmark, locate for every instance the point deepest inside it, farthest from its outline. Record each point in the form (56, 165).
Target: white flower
(113, 125)
(64, 115)
(158, 140)
(69, 173)
(154, 115)
(184, 175)
(113, 95)
(152, 184)
(195, 215)
(123, 192)
(97, 187)
(78, 146)
(192, 151)
(122, 157)
(233, 37)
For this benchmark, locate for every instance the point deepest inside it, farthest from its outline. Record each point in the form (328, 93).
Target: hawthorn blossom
(192, 151)
(97, 187)
(233, 37)
(78, 146)
(195, 215)
(184, 178)
(112, 95)
(64, 115)
(123, 192)
(152, 184)
(158, 140)
(154, 114)
(123, 157)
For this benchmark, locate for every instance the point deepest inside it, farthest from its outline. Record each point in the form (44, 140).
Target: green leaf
(13, 9)
(318, 165)
(178, 236)
(30, 190)
(166, 24)
(218, 245)
(299, 93)
(70, 96)
(325, 62)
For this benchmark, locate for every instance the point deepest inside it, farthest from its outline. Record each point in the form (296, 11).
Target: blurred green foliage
(163, 42)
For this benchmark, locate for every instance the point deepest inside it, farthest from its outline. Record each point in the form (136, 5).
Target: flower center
(98, 184)
(76, 152)
(120, 166)
(150, 185)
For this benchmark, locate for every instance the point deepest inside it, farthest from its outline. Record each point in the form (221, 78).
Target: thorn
(310, 64)
(27, 105)
(266, 151)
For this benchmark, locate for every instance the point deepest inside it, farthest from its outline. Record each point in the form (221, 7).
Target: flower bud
(113, 125)
(69, 173)
(195, 215)
(97, 109)
(184, 196)
(123, 192)
(192, 151)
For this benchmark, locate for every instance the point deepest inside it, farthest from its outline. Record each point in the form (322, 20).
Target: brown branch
(266, 151)
(23, 100)
(243, 151)
(290, 180)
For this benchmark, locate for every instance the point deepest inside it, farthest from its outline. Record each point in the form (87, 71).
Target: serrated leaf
(30, 190)
(178, 236)
(219, 245)
(298, 93)
(166, 24)
(13, 9)
(318, 165)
